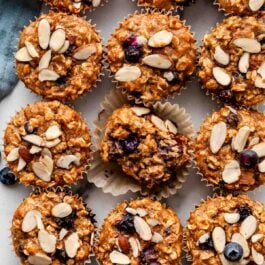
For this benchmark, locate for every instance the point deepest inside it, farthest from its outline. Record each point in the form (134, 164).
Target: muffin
(163, 4)
(231, 63)
(142, 231)
(59, 56)
(230, 149)
(151, 55)
(227, 230)
(73, 6)
(47, 144)
(52, 228)
(147, 148)
(242, 7)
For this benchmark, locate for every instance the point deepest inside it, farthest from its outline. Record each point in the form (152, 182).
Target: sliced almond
(261, 70)
(141, 212)
(131, 210)
(248, 45)
(47, 75)
(72, 245)
(231, 172)
(39, 259)
(53, 132)
(142, 228)
(221, 56)
(42, 171)
(260, 83)
(33, 139)
(261, 166)
(134, 246)
(239, 239)
(66, 160)
(63, 233)
(259, 149)
(169, 76)
(158, 123)
(45, 60)
(29, 221)
(34, 150)
(47, 241)
(96, 3)
(221, 76)
(62, 210)
(171, 127)
(140, 111)
(31, 49)
(52, 143)
(141, 40)
(257, 237)
(248, 226)
(44, 33)
(243, 63)
(13, 155)
(218, 136)
(156, 238)
(47, 161)
(160, 39)
(46, 152)
(255, 5)
(57, 39)
(157, 61)
(23, 55)
(254, 141)
(203, 238)
(231, 218)
(83, 53)
(241, 138)
(21, 164)
(257, 257)
(128, 74)
(65, 46)
(152, 222)
(40, 224)
(219, 239)
(117, 257)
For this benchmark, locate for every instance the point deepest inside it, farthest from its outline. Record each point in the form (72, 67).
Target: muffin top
(231, 64)
(47, 144)
(163, 4)
(227, 230)
(52, 228)
(151, 55)
(142, 231)
(230, 149)
(59, 56)
(147, 148)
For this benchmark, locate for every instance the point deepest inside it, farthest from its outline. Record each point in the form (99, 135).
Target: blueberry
(126, 224)
(233, 252)
(226, 96)
(131, 41)
(248, 159)
(244, 211)
(61, 81)
(130, 144)
(133, 54)
(61, 255)
(207, 244)
(232, 120)
(67, 222)
(7, 177)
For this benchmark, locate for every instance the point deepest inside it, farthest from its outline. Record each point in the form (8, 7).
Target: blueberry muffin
(59, 56)
(231, 64)
(47, 144)
(227, 230)
(151, 55)
(52, 228)
(140, 232)
(163, 4)
(230, 149)
(147, 148)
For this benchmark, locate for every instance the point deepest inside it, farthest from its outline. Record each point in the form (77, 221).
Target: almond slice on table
(45, 60)
(218, 136)
(83, 53)
(48, 75)
(231, 172)
(221, 56)
(62, 210)
(23, 55)
(57, 39)
(221, 76)
(243, 63)
(160, 39)
(29, 221)
(72, 244)
(128, 73)
(239, 239)
(39, 259)
(140, 111)
(248, 226)
(44, 33)
(47, 241)
(13, 155)
(31, 49)
(219, 239)
(259, 149)
(66, 160)
(53, 132)
(117, 257)
(142, 228)
(241, 138)
(159, 123)
(33, 139)
(157, 61)
(255, 5)
(248, 45)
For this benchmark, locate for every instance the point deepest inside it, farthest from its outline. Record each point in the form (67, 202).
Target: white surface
(201, 16)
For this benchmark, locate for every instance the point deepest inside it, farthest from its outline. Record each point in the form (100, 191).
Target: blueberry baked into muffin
(59, 56)
(52, 228)
(147, 148)
(140, 232)
(242, 7)
(151, 55)
(231, 64)
(230, 149)
(73, 6)
(163, 4)
(227, 230)
(47, 144)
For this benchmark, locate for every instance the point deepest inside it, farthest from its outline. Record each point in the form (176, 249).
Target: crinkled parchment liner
(109, 176)
(119, 84)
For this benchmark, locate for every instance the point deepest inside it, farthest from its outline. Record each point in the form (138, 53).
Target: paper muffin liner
(110, 177)
(119, 85)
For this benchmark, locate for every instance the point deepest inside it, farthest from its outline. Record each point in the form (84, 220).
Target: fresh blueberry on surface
(244, 211)
(126, 224)
(133, 54)
(248, 159)
(233, 252)
(130, 144)
(7, 177)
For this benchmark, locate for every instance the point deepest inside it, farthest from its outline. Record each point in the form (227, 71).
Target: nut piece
(241, 138)
(221, 56)
(45, 60)
(231, 172)
(53, 132)
(255, 238)
(39, 259)
(259, 149)
(231, 218)
(203, 238)
(239, 239)
(260, 83)
(160, 39)
(44, 33)
(158, 123)
(255, 5)
(24, 154)
(261, 70)
(221, 76)
(44, 168)
(13, 155)
(47, 75)
(62, 210)
(131, 211)
(142, 228)
(117, 257)
(218, 135)
(57, 39)
(21, 164)
(52, 143)
(123, 243)
(261, 166)
(128, 73)
(23, 55)
(83, 53)
(72, 244)
(47, 241)
(156, 238)
(33, 139)
(157, 61)
(29, 221)
(66, 160)
(140, 111)
(219, 239)
(63, 233)
(257, 257)
(248, 226)
(248, 45)
(243, 63)
(31, 49)
(65, 46)
(171, 126)
(134, 246)
(141, 212)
